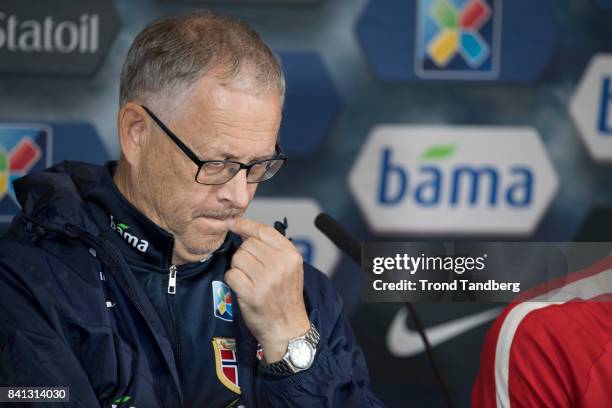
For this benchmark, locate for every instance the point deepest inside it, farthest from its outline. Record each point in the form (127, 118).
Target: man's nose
(236, 191)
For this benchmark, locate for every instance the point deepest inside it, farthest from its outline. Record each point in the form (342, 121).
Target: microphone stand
(351, 247)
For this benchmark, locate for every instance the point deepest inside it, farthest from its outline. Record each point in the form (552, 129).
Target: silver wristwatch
(300, 353)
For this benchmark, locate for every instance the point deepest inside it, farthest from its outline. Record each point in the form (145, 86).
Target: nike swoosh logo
(404, 342)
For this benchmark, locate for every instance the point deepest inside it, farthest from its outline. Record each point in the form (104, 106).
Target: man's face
(219, 122)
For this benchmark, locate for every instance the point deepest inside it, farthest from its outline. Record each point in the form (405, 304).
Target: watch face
(300, 353)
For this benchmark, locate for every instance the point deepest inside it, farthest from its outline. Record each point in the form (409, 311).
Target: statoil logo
(49, 35)
(453, 180)
(64, 37)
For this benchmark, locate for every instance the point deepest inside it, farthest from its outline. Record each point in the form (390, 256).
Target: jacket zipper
(177, 337)
(172, 280)
(109, 251)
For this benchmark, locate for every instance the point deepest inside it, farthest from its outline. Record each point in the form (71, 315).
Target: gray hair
(171, 54)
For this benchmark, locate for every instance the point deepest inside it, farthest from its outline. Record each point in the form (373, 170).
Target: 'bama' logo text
(139, 244)
(470, 185)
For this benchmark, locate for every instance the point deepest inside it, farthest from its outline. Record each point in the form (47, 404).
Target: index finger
(253, 229)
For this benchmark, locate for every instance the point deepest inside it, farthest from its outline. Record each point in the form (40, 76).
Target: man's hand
(267, 275)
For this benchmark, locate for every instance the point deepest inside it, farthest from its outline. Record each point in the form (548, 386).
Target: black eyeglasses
(215, 172)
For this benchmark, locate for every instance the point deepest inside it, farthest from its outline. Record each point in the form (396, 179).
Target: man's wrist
(274, 349)
(300, 355)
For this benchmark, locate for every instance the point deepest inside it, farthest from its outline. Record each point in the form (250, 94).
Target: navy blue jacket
(72, 313)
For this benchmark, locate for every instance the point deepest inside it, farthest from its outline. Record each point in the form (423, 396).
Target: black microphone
(352, 247)
(339, 236)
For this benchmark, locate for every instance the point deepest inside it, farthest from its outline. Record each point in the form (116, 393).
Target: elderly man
(139, 284)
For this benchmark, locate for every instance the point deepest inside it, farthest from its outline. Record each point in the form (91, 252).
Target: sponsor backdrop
(67, 37)
(405, 120)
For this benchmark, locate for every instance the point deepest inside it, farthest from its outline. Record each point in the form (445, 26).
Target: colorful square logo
(222, 301)
(24, 148)
(458, 39)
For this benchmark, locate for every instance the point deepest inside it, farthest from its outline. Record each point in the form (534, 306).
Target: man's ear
(134, 129)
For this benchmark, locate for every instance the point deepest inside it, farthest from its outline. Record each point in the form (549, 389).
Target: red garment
(552, 354)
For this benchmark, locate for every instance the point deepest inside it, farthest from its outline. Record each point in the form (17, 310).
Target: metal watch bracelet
(283, 366)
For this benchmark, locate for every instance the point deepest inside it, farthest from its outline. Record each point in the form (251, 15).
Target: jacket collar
(52, 198)
(85, 195)
(125, 226)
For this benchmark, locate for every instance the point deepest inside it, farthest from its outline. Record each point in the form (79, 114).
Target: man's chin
(203, 245)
